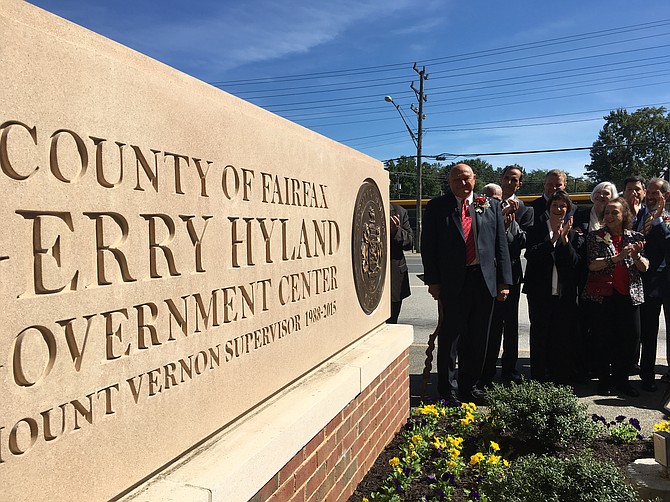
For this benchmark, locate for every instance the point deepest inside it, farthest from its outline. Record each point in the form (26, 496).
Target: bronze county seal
(368, 246)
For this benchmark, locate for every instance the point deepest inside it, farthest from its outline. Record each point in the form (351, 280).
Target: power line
(486, 52)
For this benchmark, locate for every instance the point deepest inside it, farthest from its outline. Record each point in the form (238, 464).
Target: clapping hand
(395, 223)
(565, 230)
(635, 249)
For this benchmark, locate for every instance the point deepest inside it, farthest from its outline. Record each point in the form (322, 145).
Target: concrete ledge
(235, 464)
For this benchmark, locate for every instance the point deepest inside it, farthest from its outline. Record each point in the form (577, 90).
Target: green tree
(631, 143)
(485, 172)
(402, 177)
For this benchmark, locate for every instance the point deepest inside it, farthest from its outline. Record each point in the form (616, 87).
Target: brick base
(332, 464)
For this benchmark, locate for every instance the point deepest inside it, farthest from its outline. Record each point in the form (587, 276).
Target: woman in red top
(614, 257)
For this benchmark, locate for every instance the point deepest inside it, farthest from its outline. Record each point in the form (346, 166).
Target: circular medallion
(368, 246)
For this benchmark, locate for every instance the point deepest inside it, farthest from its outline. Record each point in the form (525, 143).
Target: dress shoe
(627, 390)
(665, 378)
(634, 370)
(476, 395)
(649, 386)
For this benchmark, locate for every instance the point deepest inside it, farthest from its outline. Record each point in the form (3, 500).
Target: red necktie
(468, 235)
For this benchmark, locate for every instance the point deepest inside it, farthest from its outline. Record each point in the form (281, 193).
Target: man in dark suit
(466, 266)
(402, 239)
(654, 225)
(518, 219)
(554, 180)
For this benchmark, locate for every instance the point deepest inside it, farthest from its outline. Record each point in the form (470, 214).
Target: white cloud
(228, 36)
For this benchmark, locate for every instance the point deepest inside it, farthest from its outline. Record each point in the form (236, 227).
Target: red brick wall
(332, 464)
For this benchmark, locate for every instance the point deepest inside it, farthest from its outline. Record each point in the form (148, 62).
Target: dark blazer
(403, 240)
(539, 206)
(638, 219)
(540, 258)
(443, 246)
(516, 238)
(656, 280)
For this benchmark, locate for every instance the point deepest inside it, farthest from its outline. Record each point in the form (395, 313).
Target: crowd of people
(595, 280)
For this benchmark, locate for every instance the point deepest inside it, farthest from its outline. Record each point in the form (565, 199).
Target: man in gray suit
(466, 266)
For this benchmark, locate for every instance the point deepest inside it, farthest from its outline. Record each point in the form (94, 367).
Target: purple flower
(407, 470)
(449, 477)
(474, 495)
(431, 478)
(398, 486)
(620, 418)
(439, 493)
(635, 423)
(598, 418)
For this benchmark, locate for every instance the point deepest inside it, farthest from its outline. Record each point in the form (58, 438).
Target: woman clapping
(614, 283)
(550, 285)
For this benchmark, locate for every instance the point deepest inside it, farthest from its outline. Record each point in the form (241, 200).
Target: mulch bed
(603, 448)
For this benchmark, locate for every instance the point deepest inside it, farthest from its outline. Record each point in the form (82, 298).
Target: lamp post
(416, 139)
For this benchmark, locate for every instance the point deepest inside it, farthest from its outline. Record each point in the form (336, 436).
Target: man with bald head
(466, 266)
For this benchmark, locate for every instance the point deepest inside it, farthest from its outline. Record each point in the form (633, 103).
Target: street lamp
(416, 139)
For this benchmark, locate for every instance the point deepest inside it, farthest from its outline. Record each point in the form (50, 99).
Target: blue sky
(503, 76)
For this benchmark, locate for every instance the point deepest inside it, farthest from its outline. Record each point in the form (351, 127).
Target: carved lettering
(41, 340)
(5, 163)
(54, 162)
(41, 253)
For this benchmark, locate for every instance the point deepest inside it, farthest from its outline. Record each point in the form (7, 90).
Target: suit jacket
(539, 206)
(638, 219)
(402, 241)
(656, 280)
(443, 246)
(541, 255)
(516, 238)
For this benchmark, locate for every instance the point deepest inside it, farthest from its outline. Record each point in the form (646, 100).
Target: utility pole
(421, 97)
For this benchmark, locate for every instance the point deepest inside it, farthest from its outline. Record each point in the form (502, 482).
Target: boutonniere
(481, 204)
(604, 237)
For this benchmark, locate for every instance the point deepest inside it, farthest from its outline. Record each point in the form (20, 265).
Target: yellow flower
(454, 452)
(495, 446)
(493, 459)
(429, 409)
(476, 458)
(455, 441)
(662, 426)
(471, 407)
(394, 462)
(413, 454)
(451, 464)
(411, 446)
(365, 499)
(505, 463)
(416, 439)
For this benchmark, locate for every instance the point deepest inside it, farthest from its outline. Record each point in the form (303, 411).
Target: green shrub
(550, 479)
(543, 416)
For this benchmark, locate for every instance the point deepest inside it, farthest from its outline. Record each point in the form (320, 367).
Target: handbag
(599, 285)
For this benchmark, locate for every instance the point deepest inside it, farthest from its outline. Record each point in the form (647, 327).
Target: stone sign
(171, 256)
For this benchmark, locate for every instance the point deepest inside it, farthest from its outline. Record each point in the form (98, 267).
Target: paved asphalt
(420, 310)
